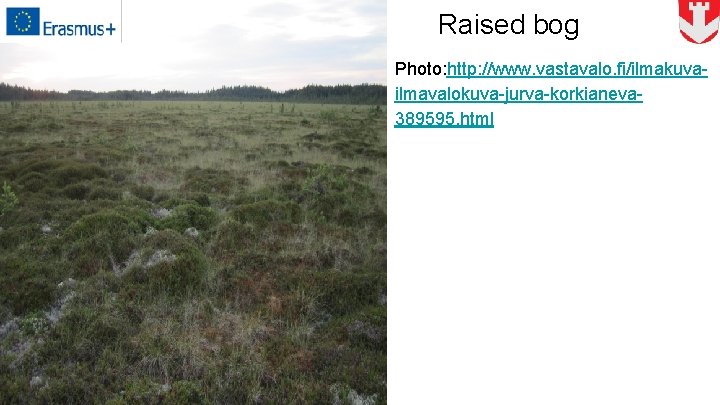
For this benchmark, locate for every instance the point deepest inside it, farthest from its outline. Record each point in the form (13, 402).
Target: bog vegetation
(192, 252)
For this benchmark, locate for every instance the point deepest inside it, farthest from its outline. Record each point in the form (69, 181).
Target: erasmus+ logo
(26, 21)
(23, 21)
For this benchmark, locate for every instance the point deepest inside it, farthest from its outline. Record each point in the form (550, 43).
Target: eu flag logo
(23, 21)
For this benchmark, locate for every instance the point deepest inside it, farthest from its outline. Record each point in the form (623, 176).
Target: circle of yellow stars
(29, 21)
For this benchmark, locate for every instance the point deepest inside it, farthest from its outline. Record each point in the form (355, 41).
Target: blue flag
(23, 21)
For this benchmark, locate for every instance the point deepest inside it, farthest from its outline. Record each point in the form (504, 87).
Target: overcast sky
(203, 45)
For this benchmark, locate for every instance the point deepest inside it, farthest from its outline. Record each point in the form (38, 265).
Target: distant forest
(341, 94)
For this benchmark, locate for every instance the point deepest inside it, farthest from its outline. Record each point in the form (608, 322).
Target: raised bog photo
(197, 218)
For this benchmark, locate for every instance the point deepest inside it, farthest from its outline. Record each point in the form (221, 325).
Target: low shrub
(145, 192)
(211, 181)
(74, 172)
(341, 293)
(266, 212)
(190, 216)
(26, 285)
(231, 239)
(335, 198)
(8, 199)
(169, 263)
(102, 241)
(77, 191)
(33, 181)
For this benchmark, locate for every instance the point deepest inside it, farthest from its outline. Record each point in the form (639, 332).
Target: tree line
(340, 94)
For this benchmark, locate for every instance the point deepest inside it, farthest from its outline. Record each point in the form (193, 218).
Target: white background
(572, 255)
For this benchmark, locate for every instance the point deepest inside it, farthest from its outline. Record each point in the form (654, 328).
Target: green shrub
(77, 191)
(169, 263)
(190, 216)
(74, 172)
(100, 241)
(341, 293)
(33, 181)
(231, 239)
(34, 324)
(201, 198)
(210, 181)
(334, 197)
(8, 199)
(145, 192)
(17, 235)
(91, 333)
(25, 285)
(34, 164)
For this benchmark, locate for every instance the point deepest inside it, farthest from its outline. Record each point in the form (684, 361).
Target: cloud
(278, 45)
(282, 10)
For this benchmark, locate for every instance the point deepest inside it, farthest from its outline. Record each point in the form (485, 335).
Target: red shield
(699, 20)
